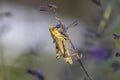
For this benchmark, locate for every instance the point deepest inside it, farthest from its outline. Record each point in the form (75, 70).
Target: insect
(59, 35)
(61, 39)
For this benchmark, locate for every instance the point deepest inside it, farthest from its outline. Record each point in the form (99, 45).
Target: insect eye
(58, 26)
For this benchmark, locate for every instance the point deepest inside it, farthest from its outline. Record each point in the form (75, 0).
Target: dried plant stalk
(81, 63)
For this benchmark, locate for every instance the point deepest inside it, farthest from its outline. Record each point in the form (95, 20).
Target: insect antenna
(57, 18)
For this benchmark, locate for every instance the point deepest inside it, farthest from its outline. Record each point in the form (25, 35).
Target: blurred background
(25, 41)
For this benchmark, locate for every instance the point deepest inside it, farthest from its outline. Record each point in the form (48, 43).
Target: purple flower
(117, 54)
(43, 8)
(116, 36)
(38, 74)
(51, 6)
(98, 53)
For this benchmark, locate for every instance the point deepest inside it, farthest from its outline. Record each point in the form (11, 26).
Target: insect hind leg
(66, 54)
(58, 55)
(77, 56)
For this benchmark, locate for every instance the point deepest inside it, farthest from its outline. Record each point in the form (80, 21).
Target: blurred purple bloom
(115, 66)
(97, 2)
(38, 74)
(75, 23)
(117, 54)
(43, 8)
(51, 6)
(116, 36)
(98, 53)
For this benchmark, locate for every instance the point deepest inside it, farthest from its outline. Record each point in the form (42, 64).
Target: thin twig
(87, 74)
(81, 64)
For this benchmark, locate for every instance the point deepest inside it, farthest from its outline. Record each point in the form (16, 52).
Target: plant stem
(81, 64)
(87, 74)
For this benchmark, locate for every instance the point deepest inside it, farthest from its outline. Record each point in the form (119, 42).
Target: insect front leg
(76, 55)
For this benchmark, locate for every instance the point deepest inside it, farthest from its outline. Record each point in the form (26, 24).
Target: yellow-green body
(61, 45)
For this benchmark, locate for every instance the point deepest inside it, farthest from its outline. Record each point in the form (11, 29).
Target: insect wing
(57, 39)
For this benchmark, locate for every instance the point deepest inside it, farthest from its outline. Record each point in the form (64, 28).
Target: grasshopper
(60, 37)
